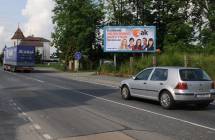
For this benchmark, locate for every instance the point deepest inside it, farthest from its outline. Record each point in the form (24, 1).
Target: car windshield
(193, 75)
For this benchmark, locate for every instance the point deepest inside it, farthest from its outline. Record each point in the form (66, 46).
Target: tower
(18, 36)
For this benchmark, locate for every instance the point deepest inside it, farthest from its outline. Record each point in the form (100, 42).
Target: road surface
(45, 106)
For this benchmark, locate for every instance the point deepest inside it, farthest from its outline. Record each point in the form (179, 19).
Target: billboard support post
(142, 55)
(114, 60)
(187, 60)
(154, 60)
(131, 64)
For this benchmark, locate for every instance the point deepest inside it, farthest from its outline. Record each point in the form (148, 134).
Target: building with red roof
(42, 45)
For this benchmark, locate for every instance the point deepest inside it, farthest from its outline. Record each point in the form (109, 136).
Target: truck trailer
(19, 58)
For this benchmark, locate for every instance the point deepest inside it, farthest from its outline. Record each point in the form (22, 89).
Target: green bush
(107, 68)
(141, 63)
(170, 59)
(206, 62)
(58, 66)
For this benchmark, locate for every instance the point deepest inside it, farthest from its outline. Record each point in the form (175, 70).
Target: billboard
(130, 39)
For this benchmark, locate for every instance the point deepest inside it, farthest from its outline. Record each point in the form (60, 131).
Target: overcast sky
(33, 16)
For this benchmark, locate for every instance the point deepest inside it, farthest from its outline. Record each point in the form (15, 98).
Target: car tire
(166, 100)
(203, 105)
(125, 92)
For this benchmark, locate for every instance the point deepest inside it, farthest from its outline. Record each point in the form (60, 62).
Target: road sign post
(114, 60)
(77, 56)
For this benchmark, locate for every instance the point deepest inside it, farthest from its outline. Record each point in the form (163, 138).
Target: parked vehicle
(19, 58)
(169, 85)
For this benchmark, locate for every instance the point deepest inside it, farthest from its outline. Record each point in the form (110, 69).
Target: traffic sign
(77, 55)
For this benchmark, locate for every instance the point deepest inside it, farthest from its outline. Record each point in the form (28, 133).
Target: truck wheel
(9, 68)
(28, 71)
(13, 69)
(4, 68)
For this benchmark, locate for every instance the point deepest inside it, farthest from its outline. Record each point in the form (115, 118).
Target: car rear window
(160, 75)
(193, 75)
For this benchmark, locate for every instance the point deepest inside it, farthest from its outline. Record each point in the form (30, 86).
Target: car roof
(174, 67)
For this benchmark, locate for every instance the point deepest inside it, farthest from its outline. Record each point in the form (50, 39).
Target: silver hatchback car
(169, 85)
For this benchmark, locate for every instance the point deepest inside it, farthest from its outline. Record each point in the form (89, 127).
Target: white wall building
(41, 45)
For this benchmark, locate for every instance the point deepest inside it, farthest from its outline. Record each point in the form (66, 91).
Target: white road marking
(30, 119)
(26, 119)
(8, 72)
(96, 83)
(140, 109)
(15, 108)
(24, 114)
(38, 80)
(25, 77)
(213, 103)
(126, 105)
(36, 126)
(32, 127)
(47, 136)
(11, 103)
(34, 79)
(19, 108)
(60, 87)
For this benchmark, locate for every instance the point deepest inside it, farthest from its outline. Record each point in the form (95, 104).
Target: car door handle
(144, 83)
(161, 83)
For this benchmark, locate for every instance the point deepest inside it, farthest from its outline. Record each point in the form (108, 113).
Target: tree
(169, 16)
(1, 58)
(203, 17)
(2, 55)
(75, 28)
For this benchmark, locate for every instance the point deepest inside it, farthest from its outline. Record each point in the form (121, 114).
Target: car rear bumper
(194, 97)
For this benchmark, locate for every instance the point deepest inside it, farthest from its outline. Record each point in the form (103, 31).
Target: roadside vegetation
(184, 27)
(205, 62)
(57, 66)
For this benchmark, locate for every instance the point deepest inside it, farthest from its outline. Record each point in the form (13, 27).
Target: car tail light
(182, 86)
(213, 85)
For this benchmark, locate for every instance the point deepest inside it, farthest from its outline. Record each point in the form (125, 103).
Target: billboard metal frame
(131, 27)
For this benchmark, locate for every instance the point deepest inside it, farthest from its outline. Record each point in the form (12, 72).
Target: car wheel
(166, 100)
(125, 92)
(203, 105)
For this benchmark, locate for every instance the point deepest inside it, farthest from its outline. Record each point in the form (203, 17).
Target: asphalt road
(53, 107)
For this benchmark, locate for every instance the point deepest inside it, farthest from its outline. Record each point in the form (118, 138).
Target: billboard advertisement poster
(130, 39)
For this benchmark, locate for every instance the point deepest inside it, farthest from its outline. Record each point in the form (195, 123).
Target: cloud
(1, 30)
(3, 37)
(38, 14)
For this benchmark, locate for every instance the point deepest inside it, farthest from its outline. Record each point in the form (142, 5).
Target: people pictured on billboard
(131, 43)
(137, 39)
(145, 44)
(138, 45)
(150, 45)
(124, 44)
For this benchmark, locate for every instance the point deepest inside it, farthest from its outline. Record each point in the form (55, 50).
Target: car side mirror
(133, 77)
